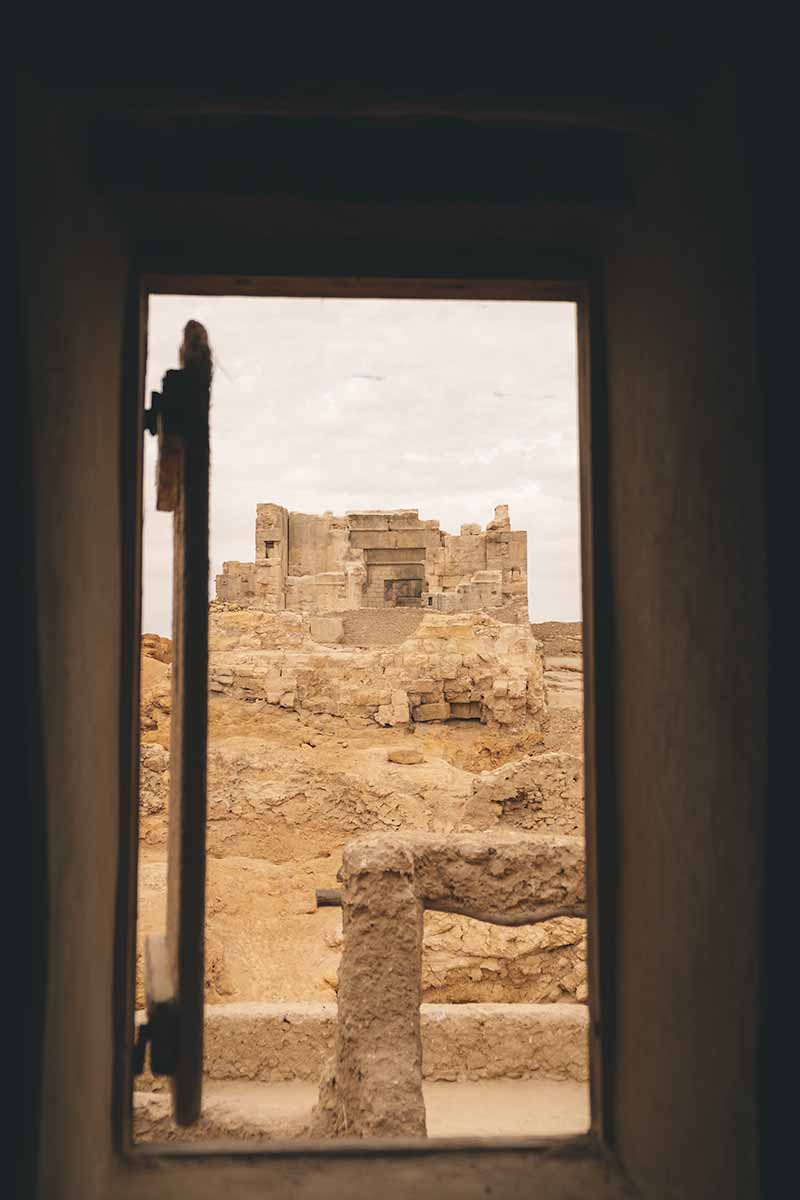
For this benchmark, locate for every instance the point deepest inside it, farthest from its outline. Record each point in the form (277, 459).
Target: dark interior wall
(73, 268)
(688, 574)
(688, 547)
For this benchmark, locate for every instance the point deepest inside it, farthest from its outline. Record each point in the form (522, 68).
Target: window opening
(401, 655)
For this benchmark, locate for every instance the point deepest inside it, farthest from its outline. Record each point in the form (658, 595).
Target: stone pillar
(355, 579)
(373, 1085)
(501, 518)
(272, 554)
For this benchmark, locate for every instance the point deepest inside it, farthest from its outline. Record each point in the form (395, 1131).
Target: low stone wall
(464, 665)
(274, 1043)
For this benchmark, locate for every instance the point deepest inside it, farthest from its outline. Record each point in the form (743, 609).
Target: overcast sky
(448, 406)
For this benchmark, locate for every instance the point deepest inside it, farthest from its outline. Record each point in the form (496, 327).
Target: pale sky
(448, 406)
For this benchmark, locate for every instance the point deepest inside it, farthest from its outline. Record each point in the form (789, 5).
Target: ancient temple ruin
(380, 559)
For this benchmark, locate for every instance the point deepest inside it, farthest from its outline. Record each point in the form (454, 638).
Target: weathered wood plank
(187, 823)
(176, 962)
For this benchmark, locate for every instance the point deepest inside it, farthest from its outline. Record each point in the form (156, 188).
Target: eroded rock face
(467, 961)
(157, 647)
(539, 793)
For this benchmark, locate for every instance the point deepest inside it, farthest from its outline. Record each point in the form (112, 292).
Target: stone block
(405, 757)
(501, 518)
(290, 1040)
(401, 538)
(368, 521)
(327, 629)
(424, 685)
(432, 712)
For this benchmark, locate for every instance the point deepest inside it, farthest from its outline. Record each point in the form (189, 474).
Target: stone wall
(562, 643)
(379, 626)
(462, 666)
(276, 1043)
(379, 559)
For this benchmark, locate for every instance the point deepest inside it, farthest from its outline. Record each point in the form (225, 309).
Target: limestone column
(373, 1087)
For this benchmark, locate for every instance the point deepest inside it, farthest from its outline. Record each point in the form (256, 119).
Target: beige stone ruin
(372, 1086)
(386, 558)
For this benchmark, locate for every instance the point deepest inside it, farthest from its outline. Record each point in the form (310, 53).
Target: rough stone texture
(562, 642)
(373, 1085)
(266, 941)
(466, 658)
(465, 961)
(286, 791)
(157, 647)
(538, 792)
(436, 711)
(560, 637)
(505, 1041)
(277, 1043)
(382, 559)
(155, 693)
(290, 804)
(508, 873)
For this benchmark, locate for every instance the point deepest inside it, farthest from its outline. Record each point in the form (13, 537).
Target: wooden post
(181, 420)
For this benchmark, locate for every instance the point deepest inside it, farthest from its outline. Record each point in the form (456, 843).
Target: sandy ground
(489, 1108)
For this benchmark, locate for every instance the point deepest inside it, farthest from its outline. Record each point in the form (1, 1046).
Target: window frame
(261, 1165)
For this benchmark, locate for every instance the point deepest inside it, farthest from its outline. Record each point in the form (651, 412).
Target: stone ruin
(417, 717)
(385, 558)
(464, 666)
(372, 1086)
